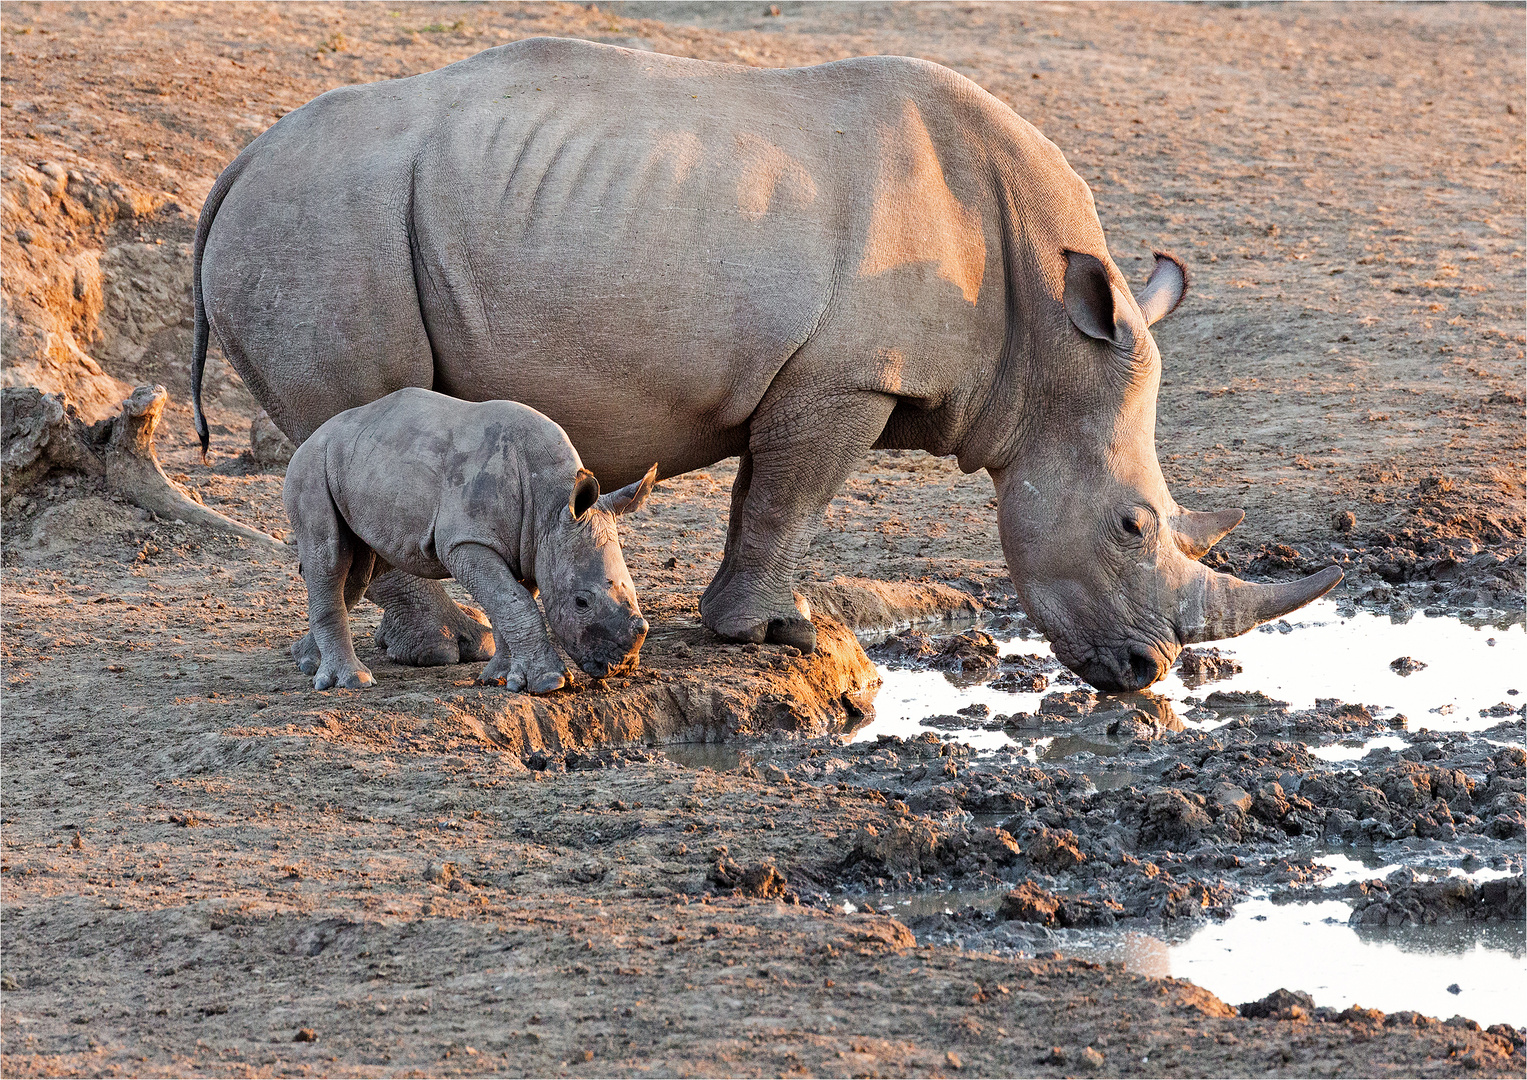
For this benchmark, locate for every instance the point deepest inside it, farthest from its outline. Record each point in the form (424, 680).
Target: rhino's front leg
(740, 488)
(422, 626)
(803, 442)
(524, 658)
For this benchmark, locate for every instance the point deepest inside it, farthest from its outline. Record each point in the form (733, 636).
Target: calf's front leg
(523, 658)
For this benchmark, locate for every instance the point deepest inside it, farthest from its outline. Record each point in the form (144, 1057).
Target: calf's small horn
(1215, 606)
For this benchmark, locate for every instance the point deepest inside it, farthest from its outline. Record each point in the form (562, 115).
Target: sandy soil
(239, 860)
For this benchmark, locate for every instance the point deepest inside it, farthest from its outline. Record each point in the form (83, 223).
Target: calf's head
(585, 588)
(1101, 553)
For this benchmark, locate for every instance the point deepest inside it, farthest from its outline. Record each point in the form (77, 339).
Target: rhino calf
(492, 494)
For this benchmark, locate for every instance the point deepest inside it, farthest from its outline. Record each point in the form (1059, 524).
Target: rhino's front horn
(1218, 606)
(1197, 531)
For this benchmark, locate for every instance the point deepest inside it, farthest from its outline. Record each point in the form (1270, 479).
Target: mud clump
(971, 654)
(1030, 903)
(1280, 1005)
(1406, 899)
(1226, 700)
(1026, 673)
(1203, 665)
(1406, 665)
(1053, 850)
(762, 880)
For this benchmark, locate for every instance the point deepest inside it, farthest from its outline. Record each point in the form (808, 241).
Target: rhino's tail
(201, 328)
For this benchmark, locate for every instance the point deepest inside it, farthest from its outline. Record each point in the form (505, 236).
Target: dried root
(43, 434)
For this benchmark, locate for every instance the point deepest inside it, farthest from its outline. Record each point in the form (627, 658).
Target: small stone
(1090, 1059)
(1241, 699)
(1343, 521)
(951, 1058)
(1056, 1056)
(1405, 665)
(267, 444)
(583, 1055)
(1455, 989)
(1228, 795)
(305, 1035)
(1280, 1005)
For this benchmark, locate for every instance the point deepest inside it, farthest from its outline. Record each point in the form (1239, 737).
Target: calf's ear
(631, 496)
(1167, 285)
(1089, 297)
(584, 495)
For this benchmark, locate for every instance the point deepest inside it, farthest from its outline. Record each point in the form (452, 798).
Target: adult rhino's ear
(1167, 286)
(631, 496)
(1196, 531)
(1089, 297)
(584, 495)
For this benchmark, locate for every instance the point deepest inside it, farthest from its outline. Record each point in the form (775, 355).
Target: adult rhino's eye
(1132, 525)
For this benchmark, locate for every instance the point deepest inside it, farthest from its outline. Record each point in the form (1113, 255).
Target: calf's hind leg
(363, 565)
(334, 564)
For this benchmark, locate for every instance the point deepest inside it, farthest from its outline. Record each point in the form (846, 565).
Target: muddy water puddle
(1467, 969)
(1456, 679)
(1458, 672)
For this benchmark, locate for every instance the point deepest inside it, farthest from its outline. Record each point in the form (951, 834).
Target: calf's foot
(349, 676)
(522, 677)
(305, 652)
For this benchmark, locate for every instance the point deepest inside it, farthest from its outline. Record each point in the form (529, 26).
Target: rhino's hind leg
(362, 565)
(332, 558)
(423, 627)
(798, 464)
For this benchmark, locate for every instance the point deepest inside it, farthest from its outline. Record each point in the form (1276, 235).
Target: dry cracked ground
(208, 868)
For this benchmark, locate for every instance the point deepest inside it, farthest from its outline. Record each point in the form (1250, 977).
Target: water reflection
(1325, 654)
(719, 757)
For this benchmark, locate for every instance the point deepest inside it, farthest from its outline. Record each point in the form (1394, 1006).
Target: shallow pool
(1322, 654)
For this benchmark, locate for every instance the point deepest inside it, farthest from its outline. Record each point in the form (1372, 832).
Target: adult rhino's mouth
(1133, 668)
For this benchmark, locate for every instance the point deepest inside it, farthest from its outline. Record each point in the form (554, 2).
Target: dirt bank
(204, 859)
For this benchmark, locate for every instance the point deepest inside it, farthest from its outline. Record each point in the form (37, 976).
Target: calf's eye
(581, 603)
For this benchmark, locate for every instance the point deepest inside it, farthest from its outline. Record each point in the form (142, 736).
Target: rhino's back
(576, 219)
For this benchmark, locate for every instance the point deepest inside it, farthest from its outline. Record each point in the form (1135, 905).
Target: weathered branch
(43, 434)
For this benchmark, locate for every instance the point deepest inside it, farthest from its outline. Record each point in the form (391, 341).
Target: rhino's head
(585, 588)
(1101, 553)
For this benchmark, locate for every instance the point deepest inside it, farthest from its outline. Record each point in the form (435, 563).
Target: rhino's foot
(517, 677)
(793, 630)
(421, 637)
(789, 627)
(354, 676)
(305, 652)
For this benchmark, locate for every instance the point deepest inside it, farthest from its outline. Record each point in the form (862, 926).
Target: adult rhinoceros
(683, 261)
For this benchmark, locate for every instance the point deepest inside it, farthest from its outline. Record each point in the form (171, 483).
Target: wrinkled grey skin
(684, 261)
(491, 494)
